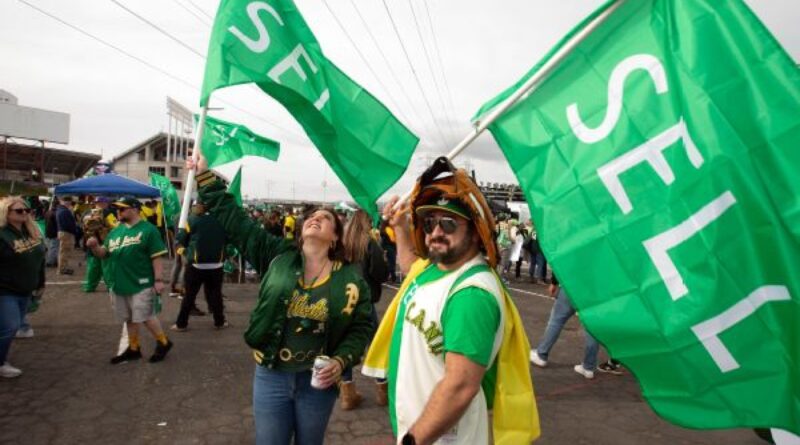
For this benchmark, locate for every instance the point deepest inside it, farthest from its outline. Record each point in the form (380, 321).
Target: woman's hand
(330, 374)
(92, 242)
(201, 165)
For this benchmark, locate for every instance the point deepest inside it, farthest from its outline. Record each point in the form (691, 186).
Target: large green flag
(169, 198)
(660, 159)
(269, 43)
(225, 142)
(235, 187)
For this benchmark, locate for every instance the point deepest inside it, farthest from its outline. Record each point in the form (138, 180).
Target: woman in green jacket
(21, 272)
(310, 304)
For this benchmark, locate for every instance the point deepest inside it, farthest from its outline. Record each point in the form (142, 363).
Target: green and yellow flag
(660, 159)
(225, 142)
(268, 43)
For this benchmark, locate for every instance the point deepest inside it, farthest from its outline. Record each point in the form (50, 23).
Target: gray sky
(116, 102)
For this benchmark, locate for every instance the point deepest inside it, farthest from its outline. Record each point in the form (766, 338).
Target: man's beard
(451, 255)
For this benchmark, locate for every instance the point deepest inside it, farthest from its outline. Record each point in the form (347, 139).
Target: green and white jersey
(458, 311)
(130, 254)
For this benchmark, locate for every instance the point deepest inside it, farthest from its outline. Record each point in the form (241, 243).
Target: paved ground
(200, 394)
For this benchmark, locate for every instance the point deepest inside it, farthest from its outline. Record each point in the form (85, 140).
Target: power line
(153, 67)
(414, 72)
(439, 57)
(430, 69)
(364, 59)
(386, 60)
(159, 29)
(199, 54)
(202, 11)
(197, 16)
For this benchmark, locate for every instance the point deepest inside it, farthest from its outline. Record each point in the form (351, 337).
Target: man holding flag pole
(702, 96)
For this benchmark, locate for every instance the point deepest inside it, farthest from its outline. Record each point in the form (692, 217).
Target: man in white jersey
(448, 322)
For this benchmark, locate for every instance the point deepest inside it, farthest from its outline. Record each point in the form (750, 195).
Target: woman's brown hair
(356, 237)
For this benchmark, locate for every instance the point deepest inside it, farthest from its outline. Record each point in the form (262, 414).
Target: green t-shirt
(469, 319)
(304, 337)
(130, 254)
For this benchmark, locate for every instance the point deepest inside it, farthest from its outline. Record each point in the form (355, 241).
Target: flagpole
(528, 87)
(188, 188)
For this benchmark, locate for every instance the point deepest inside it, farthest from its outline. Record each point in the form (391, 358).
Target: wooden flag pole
(188, 187)
(529, 86)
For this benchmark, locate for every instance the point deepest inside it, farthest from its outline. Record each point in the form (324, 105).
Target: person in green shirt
(132, 254)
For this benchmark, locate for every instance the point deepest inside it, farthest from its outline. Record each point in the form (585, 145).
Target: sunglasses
(447, 224)
(22, 210)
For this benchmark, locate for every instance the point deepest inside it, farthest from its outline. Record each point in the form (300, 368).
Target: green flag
(660, 159)
(235, 187)
(269, 43)
(225, 142)
(169, 198)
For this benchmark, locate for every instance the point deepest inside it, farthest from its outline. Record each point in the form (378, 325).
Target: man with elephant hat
(452, 338)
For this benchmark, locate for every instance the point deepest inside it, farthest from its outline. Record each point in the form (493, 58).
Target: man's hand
(92, 242)
(396, 218)
(553, 290)
(159, 286)
(328, 375)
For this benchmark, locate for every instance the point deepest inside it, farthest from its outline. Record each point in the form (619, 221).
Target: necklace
(319, 273)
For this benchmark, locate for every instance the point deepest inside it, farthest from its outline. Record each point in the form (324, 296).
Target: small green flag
(660, 159)
(235, 187)
(269, 43)
(169, 198)
(225, 142)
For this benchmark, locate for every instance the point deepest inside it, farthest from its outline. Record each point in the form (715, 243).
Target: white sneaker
(584, 372)
(9, 371)
(536, 360)
(24, 333)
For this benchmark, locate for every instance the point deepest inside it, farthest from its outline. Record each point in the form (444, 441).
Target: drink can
(319, 364)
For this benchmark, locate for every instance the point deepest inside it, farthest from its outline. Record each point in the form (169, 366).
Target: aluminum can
(319, 364)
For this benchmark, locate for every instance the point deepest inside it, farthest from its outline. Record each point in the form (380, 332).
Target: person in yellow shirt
(288, 225)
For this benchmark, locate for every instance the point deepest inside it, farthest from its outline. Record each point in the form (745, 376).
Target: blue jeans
(538, 266)
(24, 324)
(285, 405)
(52, 251)
(12, 311)
(562, 311)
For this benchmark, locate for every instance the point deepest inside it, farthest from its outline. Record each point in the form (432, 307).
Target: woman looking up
(310, 304)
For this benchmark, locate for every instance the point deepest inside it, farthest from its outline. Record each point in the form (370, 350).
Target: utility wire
(365, 60)
(185, 45)
(202, 11)
(440, 58)
(430, 69)
(154, 67)
(187, 9)
(414, 72)
(159, 29)
(386, 60)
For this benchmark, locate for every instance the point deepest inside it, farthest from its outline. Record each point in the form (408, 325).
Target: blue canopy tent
(107, 185)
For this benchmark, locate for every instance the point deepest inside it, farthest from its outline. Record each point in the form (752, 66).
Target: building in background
(152, 156)
(165, 153)
(28, 165)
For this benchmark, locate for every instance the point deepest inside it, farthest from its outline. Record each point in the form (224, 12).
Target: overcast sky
(116, 102)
